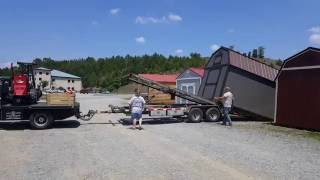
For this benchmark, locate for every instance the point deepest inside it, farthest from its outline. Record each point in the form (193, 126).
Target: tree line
(108, 72)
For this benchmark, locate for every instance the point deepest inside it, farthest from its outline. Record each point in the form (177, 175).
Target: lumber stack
(60, 99)
(158, 97)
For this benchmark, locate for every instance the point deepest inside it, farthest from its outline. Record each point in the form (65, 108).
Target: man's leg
(225, 112)
(228, 119)
(134, 120)
(140, 121)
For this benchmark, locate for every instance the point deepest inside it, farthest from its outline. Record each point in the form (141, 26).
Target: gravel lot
(104, 149)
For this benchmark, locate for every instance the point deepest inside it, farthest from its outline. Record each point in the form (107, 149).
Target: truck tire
(41, 120)
(213, 115)
(195, 115)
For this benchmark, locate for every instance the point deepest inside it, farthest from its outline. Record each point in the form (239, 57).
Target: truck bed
(23, 112)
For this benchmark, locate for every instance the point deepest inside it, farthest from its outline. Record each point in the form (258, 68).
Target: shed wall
(298, 99)
(251, 93)
(195, 82)
(214, 75)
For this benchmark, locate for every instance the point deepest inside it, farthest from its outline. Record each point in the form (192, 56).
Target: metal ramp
(166, 89)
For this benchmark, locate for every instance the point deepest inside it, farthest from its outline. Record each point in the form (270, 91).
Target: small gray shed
(252, 82)
(189, 81)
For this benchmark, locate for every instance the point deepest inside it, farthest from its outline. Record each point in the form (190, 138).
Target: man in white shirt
(227, 100)
(136, 105)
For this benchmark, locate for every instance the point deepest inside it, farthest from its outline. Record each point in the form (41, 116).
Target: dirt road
(104, 149)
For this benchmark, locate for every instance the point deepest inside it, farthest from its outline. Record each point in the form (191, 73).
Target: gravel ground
(104, 149)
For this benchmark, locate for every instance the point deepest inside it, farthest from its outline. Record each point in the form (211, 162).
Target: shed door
(190, 89)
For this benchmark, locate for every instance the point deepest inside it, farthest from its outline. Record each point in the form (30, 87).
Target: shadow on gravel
(151, 121)
(23, 125)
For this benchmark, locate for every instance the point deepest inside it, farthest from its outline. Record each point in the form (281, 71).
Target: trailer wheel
(195, 115)
(41, 120)
(212, 115)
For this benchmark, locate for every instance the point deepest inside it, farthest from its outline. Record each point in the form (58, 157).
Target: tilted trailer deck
(202, 109)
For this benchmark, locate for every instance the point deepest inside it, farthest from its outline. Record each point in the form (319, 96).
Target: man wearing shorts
(136, 104)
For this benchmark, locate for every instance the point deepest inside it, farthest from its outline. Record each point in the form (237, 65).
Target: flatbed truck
(200, 110)
(41, 115)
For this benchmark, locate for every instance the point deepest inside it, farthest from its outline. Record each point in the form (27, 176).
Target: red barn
(298, 91)
(158, 97)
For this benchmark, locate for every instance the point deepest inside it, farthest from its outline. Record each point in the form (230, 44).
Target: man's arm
(130, 102)
(220, 98)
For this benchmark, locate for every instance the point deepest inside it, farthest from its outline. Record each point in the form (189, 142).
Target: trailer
(199, 110)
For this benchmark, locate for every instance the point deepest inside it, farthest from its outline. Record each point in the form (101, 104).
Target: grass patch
(312, 135)
(268, 127)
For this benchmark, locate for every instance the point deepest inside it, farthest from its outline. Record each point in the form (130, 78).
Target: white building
(42, 74)
(57, 79)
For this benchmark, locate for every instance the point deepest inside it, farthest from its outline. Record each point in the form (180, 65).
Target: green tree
(279, 62)
(255, 53)
(261, 52)
(44, 84)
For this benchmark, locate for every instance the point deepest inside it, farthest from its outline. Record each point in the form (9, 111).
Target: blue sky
(63, 29)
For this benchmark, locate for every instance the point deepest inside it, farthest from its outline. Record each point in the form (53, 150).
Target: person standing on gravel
(227, 100)
(136, 105)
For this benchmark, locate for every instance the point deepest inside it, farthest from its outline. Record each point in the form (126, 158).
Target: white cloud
(155, 20)
(315, 29)
(94, 22)
(140, 40)
(146, 20)
(315, 39)
(214, 47)
(230, 30)
(178, 51)
(174, 17)
(114, 11)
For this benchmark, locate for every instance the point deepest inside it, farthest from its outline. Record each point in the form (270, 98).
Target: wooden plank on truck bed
(60, 99)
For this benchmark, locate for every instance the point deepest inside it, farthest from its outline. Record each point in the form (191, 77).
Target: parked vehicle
(19, 102)
(84, 91)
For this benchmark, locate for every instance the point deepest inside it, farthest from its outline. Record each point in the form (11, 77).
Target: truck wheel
(212, 115)
(41, 120)
(195, 115)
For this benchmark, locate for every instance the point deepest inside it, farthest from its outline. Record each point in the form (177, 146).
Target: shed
(189, 81)
(298, 91)
(158, 97)
(252, 82)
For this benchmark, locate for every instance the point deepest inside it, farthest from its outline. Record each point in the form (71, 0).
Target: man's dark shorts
(136, 116)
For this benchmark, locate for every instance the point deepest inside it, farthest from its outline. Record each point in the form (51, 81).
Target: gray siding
(251, 95)
(190, 78)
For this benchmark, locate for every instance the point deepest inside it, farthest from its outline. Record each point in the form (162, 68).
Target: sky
(68, 29)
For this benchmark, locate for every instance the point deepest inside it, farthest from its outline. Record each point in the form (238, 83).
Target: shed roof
(297, 55)
(199, 71)
(161, 78)
(57, 73)
(250, 65)
(42, 68)
(253, 66)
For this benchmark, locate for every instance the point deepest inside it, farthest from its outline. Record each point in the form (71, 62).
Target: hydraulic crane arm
(166, 89)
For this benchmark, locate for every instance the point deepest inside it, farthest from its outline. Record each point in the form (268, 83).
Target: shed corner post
(276, 102)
